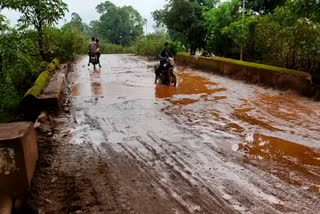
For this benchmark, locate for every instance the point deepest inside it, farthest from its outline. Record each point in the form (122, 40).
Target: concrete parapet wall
(271, 76)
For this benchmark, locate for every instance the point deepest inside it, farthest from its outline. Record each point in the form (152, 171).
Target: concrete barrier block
(56, 61)
(18, 157)
(42, 80)
(51, 67)
(53, 95)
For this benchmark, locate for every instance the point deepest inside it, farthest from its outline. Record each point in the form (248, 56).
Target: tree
(76, 21)
(216, 19)
(119, 25)
(94, 29)
(305, 8)
(242, 33)
(264, 6)
(3, 23)
(37, 13)
(185, 21)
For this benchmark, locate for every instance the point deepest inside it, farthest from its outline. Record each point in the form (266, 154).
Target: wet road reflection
(96, 88)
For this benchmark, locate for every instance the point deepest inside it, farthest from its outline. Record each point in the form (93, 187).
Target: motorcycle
(166, 73)
(94, 60)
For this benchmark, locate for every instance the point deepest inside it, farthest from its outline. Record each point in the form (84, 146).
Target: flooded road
(211, 145)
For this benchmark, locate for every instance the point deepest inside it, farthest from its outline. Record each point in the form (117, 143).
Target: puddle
(96, 74)
(269, 147)
(188, 85)
(235, 127)
(220, 98)
(296, 161)
(283, 107)
(243, 115)
(75, 91)
(96, 88)
(184, 101)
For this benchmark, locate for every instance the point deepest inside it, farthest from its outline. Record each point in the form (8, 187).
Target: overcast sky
(86, 9)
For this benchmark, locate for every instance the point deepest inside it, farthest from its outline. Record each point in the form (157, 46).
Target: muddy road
(211, 145)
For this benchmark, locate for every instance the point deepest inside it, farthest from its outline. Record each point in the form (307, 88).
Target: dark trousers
(98, 55)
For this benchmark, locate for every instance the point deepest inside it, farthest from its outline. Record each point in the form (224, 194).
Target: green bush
(20, 63)
(108, 48)
(19, 68)
(66, 43)
(152, 45)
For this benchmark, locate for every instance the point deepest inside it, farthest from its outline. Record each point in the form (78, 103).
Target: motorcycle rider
(164, 66)
(93, 48)
(164, 55)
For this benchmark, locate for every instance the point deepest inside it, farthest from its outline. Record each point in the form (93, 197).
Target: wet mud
(210, 145)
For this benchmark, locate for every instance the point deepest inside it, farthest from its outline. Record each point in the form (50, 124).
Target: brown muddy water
(210, 145)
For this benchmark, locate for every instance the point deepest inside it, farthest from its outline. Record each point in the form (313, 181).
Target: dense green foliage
(185, 21)
(118, 25)
(152, 44)
(215, 21)
(21, 63)
(283, 33)
(39, 14)
(109, 48)
(65, 43)
(26, 50)
(18, 70)
(264, 6)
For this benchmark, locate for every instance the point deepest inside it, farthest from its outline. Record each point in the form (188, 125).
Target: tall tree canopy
(77, 23)
(119, 25)
(185, 21)
(305, 8)
(217, 19)
(264, 6)
(37, 13)
(3, 23)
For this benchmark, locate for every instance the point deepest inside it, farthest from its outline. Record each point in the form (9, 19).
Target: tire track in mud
(173, 173)
(201, 184)
(234, 189)
(122, 164)
(176, 174)
(181, 174)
